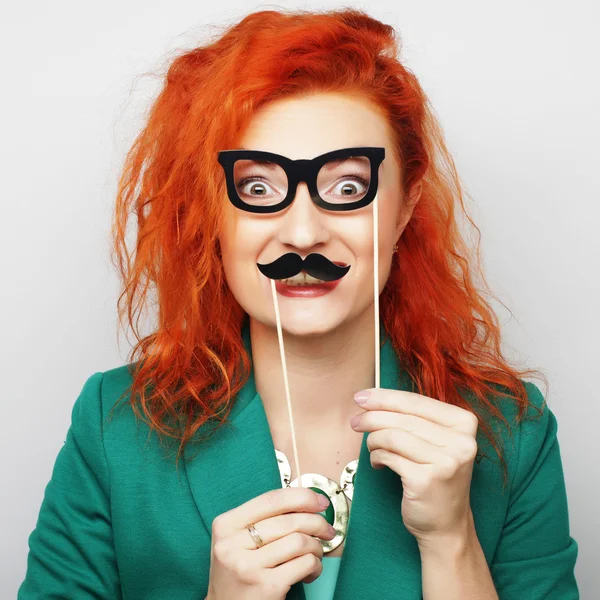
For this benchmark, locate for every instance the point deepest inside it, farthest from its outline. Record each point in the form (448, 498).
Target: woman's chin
(306, 322)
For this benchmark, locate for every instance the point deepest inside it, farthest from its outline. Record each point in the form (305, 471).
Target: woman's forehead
(309, 126)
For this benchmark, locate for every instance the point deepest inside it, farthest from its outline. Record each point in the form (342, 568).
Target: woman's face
(305, 128)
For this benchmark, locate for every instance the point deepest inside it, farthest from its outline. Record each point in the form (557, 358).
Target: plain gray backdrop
(513, 85)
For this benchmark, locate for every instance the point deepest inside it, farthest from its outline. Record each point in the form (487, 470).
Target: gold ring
(255, 536)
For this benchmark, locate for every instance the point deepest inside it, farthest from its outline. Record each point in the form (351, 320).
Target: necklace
(337, 513)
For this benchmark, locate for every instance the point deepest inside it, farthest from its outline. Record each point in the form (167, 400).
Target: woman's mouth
(300, 287)
(304, 285)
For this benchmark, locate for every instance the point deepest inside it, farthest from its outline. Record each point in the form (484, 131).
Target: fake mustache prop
(291, 264)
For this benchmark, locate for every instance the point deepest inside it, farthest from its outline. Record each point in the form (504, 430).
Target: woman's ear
(407, 208)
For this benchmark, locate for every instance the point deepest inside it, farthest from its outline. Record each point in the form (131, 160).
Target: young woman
(346, 431)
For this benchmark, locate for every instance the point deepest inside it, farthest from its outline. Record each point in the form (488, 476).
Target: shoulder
(534, 436)
(532, 425)
(108, 383)
(116, 382)
(537, 441)
(105, 419)
(99, 393)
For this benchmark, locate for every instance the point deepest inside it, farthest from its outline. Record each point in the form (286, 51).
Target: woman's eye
(253, 186)
(350, 186)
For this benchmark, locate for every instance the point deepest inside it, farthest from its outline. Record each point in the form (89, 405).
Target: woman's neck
(324, 372)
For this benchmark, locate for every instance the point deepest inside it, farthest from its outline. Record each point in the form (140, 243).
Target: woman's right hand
(286, 520)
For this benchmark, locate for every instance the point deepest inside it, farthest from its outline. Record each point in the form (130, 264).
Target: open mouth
(303, 279)
(305, 290)
(304, 285)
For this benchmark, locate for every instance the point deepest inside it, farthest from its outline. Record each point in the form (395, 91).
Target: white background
(515, 86)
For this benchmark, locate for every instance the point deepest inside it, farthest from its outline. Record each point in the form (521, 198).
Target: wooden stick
(376, 287)
(285, 381)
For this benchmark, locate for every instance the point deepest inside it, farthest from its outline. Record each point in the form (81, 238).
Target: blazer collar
(237, 463)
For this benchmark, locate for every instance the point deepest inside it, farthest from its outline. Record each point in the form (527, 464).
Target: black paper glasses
(265, 182)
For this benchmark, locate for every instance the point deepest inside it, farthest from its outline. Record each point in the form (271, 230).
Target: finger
(405, 468)
(287, 548)
(438, 435)
(405, 444)
(271, 503)
(421, 406)
(274, 528)
(303, 568)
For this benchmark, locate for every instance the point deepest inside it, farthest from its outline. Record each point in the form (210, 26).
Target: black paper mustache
(291, 264)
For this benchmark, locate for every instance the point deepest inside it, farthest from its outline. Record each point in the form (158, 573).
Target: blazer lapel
(238, 463)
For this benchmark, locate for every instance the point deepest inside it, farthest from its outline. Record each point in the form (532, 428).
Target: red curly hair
(445, 333)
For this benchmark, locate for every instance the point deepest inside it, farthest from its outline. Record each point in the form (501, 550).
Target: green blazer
(118, 521)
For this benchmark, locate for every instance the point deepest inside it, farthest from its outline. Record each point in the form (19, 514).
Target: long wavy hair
(188, 370)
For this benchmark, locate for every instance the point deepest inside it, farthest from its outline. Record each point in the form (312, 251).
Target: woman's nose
(303, 223)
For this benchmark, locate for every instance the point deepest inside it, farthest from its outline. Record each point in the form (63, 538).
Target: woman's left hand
(432, 446)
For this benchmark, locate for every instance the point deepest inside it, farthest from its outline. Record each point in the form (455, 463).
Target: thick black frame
(305, 170)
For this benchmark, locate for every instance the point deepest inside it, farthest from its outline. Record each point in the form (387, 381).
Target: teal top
(118, 521)
(323, 587)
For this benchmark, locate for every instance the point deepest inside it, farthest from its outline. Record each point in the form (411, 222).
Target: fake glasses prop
(265, 182)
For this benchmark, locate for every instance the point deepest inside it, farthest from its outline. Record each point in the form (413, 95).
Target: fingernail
(361, 397)
(323, 501)
(332, 530)
(355, 420)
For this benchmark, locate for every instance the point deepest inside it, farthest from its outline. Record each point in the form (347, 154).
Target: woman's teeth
(301, 279)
